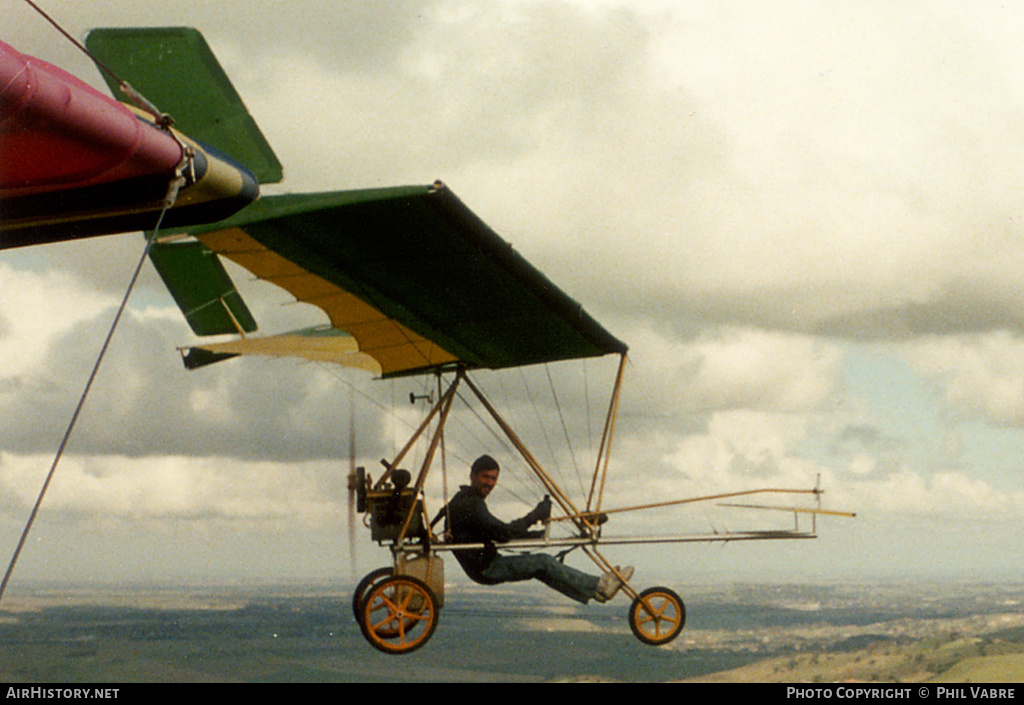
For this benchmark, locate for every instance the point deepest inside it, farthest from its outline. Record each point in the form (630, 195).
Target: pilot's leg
(572, 583)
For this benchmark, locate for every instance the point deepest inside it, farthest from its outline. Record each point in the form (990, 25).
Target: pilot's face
(484, 481)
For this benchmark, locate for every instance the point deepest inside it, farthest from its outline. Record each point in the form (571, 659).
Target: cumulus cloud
(750, 369)
(980, 375)
(177, 488)
(946, 494)
(37, 309)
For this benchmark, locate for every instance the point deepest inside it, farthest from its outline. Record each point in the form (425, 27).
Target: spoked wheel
(399, 614)
(362, 591)
(657, 616)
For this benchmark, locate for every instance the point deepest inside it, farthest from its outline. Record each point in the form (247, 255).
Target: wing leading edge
(411, 274)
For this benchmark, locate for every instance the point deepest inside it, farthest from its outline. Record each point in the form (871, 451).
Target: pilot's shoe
(610, 583)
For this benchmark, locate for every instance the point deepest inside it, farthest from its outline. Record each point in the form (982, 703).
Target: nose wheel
(657, 616)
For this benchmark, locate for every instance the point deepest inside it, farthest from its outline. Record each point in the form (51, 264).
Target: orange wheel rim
(659, 616)
(399, 615)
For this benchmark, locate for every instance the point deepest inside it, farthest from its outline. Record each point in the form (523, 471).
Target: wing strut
(586, 522)
(604, 450)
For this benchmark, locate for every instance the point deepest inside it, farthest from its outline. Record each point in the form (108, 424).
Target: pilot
(469, 521)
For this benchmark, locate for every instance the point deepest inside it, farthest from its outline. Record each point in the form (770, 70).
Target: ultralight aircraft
(411, 280)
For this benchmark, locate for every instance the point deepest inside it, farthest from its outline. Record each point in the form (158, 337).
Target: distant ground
(746, 633)
(963, 633)
(971, 660)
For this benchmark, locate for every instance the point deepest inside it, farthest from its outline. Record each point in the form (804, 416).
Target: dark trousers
(572, 583)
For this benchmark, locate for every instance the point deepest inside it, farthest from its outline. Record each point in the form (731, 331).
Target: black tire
(364, 587)
(657, 616)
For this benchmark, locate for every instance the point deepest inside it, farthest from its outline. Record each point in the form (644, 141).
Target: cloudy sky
(806, 220)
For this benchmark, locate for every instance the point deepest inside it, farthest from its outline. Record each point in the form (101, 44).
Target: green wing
(412, 275)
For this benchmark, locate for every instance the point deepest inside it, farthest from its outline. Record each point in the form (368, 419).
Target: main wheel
(657, 616)
(399, 614)
(363, 590)
(364, 586)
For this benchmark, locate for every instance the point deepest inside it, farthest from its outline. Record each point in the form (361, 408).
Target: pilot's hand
(543, 509)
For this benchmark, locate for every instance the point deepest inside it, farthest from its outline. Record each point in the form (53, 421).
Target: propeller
(353, 481)
(358, 480)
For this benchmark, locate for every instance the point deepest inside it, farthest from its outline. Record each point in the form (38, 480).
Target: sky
(805, 220)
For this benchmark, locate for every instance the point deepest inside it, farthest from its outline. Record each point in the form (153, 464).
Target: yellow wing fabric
(392, 346)
(315, 344)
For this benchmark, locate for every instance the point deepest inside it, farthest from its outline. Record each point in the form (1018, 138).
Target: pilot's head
(483, 475)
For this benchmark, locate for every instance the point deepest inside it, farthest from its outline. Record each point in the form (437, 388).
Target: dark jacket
(470, 521)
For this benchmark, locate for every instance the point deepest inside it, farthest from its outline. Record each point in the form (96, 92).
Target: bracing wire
(565, 430)
(71, 39)
(389, 410)
(586, 404)
(81, 403)
(543, 427)
(133, 95)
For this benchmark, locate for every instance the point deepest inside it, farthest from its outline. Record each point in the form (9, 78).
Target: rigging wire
(543, 427)
(103, 67)
(565, 430)
(444, 457)
(171, 197)
(509, 452)
(389, 410)
(137, 99)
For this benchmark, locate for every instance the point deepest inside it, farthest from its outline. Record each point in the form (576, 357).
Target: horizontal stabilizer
(195, 358)
(320, 344)
(797, 510)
